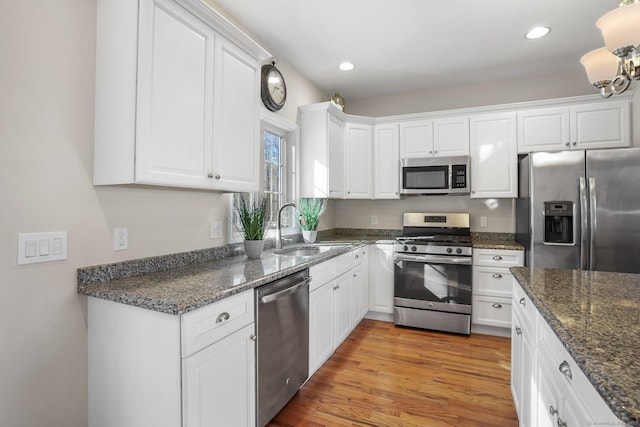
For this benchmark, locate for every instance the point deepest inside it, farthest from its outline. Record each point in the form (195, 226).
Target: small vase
(309, 236)
(253, 248)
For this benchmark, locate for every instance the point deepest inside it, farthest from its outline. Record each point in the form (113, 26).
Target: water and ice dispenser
(559, 223)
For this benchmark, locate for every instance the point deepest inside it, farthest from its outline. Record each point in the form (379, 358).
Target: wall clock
(273, 88)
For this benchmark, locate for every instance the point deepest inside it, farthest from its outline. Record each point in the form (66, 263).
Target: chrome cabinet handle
(497, 258)
(497, 276)
(567, 144)
(575, 143)
(217, 176)
(355, 275)
(523, 302)
(497, 305)
(223, 317)
(561, 422)
(209, 175)
(253, 337)
(357, 257)
(553, 411)
(518, 330)
(565, 369)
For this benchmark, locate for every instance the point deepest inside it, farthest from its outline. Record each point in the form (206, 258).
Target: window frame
(290, 132)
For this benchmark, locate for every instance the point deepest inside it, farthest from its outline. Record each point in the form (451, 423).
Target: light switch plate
(42, 247)
(215, 230)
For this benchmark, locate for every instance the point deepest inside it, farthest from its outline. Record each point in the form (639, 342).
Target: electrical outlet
(374, 219)
(120, 239)
(483, 221)
(215, 230)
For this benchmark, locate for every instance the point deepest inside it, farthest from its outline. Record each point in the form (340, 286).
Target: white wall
(47, 76)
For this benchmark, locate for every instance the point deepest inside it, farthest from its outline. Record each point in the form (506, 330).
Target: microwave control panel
(458, 176)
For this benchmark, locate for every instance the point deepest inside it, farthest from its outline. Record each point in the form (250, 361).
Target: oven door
(433, 282)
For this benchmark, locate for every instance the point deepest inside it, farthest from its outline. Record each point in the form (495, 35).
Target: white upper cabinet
(386, 157)
(176, 102)
(494, 158)
(451, 136)
(358, 158)
(416, 139)
(322, 151)
(434, 138)
(577, 127)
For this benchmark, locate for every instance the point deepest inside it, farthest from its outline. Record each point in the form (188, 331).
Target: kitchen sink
(310, 249)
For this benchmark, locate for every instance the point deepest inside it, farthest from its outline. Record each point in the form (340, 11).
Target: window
(279, 180)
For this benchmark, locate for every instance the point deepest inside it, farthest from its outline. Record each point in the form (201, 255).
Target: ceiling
(403, 45)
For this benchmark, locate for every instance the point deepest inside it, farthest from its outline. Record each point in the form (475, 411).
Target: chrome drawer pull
(497, 305)
(357, 257)
(497, 258)
(253, 337)
(523, 302)
(553, 411)
(565, 369)
(561, 422)
(223, 317)
(518, 330)
(497, 276)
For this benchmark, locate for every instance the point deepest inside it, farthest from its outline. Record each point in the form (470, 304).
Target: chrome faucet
(278, 227)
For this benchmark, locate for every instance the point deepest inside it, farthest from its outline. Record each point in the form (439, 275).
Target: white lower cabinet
(548, 387)
(491, 292)
(335, 303)
(381, 270)
(148, 368)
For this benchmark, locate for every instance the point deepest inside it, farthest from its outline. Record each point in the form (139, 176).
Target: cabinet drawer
(322, 273)
(491, 311)
(498, 258)
(493, 281)
(523, 305)
(346, 262)
(209, 324)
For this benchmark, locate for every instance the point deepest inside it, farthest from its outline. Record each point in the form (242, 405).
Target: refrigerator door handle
(592, 221)
(583, 224)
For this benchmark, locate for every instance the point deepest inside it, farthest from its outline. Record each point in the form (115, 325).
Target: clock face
(275, 85)
(274, 89)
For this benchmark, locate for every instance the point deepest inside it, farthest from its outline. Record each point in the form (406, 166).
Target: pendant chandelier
(612, 68)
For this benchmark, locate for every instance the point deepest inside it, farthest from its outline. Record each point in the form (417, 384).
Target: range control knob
(458, 251)
(413, 248)
(405, 248)
(449, 250)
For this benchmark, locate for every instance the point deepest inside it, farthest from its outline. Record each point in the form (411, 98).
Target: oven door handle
(434, 259)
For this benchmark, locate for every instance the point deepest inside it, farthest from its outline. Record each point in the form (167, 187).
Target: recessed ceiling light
(346, 66)
(537, 32)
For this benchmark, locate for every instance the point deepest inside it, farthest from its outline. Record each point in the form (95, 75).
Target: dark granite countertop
(180, 289)
(596, 316)
(504, 241)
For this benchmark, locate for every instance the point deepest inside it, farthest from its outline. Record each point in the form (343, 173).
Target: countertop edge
(596, 377)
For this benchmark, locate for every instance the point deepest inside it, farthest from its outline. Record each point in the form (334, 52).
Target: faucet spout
(278, 226)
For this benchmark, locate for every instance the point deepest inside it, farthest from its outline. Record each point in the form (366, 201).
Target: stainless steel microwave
(435, 175)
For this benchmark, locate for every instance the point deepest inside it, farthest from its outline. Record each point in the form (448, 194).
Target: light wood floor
(384, 375)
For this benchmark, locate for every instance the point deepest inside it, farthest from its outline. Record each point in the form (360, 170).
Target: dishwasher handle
(287, 291)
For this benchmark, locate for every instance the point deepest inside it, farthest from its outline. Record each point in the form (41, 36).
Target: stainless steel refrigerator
(580, 210)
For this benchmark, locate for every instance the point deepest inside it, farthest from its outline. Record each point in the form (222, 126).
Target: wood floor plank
(384, 375)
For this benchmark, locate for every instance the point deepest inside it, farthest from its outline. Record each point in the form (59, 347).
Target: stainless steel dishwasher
(282, 350)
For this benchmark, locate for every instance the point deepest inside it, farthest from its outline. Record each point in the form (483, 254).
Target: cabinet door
(342, 301)
(416, 139)
(601, 125)
(321, 326)
(358, 156)
(362, 280)
(381, 270)
(543, 129)
(236, 153)
(175, 97)
(494, 157)
(386, 157)
(451, 136)
(219, 382)
(336, 160)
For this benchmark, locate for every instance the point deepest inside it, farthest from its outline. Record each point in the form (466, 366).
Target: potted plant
(251, 210)
(309, 211)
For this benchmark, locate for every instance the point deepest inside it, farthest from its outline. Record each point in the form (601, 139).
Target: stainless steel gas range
(432, 273)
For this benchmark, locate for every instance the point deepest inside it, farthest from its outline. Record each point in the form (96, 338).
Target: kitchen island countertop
(596, 316)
